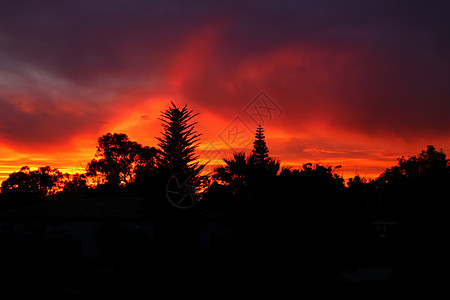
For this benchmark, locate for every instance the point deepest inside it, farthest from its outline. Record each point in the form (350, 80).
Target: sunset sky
(351, 83)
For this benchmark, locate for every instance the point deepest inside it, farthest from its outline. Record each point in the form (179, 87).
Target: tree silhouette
(402, 189)
(234, 174)
(250, 179)
(310, 192)
(75, 183)
(118, 159)
(176, 153)
(260, 152)
(414, 193)
(246, 175)
(260, 164)
(429, 163)
(43, 182)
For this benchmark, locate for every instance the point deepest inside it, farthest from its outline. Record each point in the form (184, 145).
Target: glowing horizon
(351, 84)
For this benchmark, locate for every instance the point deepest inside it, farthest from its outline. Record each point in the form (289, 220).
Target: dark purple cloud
(40, 124)
(373, 67)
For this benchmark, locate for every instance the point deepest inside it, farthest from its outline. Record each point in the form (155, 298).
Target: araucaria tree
(248, 175)
(260, 161)
(176, 153)
(260, 152)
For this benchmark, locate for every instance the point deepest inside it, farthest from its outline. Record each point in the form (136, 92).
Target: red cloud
(356, 83)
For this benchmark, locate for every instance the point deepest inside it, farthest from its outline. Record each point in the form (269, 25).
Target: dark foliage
(177, 145)
(75, 183)
(260, 152)
(28, 187)
(302, 226)
(44, 181)
(121, 160)
(178, 171)
(416, 193)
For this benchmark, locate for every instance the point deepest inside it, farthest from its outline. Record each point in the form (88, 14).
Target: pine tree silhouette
(176, 153)
(260, 152)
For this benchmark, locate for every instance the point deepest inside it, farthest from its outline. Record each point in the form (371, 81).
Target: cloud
(375, 70)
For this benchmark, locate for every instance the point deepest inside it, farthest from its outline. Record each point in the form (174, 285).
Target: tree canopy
(119, 159)
(43, 182)
(176, 152)
(260, 152)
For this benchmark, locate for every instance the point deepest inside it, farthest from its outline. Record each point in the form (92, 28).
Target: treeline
(282, 221)
(245, 183)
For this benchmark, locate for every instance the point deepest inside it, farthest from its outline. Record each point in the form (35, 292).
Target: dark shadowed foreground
(151, 222)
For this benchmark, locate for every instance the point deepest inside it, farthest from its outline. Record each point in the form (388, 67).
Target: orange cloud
(350, 95)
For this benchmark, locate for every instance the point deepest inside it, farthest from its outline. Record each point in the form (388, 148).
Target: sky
(344, 83)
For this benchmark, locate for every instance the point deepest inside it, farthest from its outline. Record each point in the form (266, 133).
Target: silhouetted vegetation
(43, 182)
(176, 152)
(27, 187)
(302, 226)
(249, 179)
(415, 193)
(260, 152)
(75, 183)
(119, 161)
